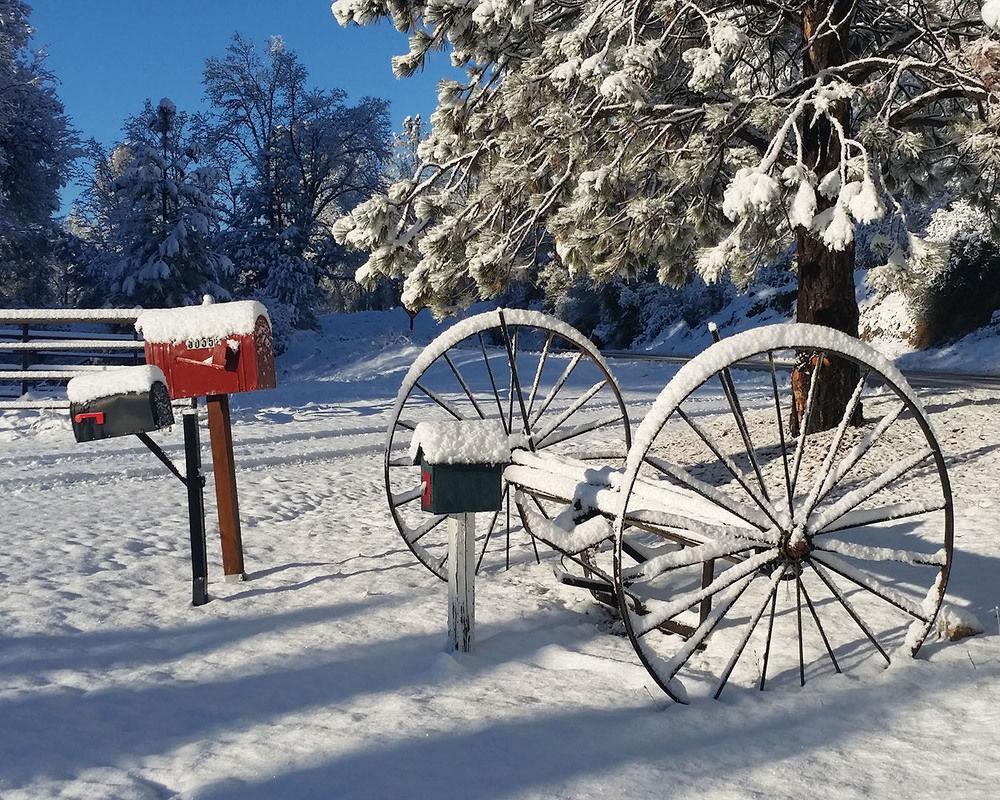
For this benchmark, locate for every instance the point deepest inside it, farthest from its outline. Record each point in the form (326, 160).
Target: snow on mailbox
(211, 349)
(461, 465)
(119, 402)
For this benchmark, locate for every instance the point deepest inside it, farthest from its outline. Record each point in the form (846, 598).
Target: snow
(991, 14)
(41, 315)
(325, 674)
(122, 380)
(208, 320)
(460, 442)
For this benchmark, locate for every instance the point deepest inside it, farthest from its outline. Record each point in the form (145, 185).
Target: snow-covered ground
(325, 675)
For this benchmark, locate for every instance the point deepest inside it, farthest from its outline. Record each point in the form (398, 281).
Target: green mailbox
(461, 465)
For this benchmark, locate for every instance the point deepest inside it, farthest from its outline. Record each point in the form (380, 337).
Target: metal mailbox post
(134, 401)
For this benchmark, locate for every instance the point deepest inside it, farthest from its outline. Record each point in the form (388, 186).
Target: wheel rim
(560, 391)
(856, 523)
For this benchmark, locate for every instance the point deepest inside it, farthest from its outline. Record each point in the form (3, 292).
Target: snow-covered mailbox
(119, 402)
(211, 349)
(461, 466)
(461, 463)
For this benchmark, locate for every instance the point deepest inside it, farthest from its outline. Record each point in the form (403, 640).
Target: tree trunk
(826, 278)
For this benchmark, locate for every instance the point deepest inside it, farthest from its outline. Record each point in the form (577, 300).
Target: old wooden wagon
(733, 546)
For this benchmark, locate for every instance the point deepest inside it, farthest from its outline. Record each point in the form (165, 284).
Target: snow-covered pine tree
(163, 220)
(295, 158)
(37, 148)
(681, 134)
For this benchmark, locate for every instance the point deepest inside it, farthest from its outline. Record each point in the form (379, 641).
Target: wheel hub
(795, 544)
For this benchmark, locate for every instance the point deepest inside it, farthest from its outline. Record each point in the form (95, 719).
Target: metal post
(461, 581)
(195, 481)
(220, 431)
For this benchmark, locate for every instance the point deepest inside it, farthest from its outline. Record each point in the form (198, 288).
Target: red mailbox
(211, 349)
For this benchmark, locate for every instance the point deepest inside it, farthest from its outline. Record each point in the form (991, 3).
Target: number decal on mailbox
(203, 343)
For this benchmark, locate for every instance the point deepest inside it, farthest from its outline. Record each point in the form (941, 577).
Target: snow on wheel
(543, 382)
(802, 555)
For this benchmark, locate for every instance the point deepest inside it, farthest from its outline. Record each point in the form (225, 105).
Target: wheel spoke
(568, 412)
(515, 381)
(686, 557)
(581, 429)
(819, 625)
(848, 608)
(492, 525)
(867, 553)
(464, 385)
(439, 400)
(729, 389)
(668, 610)
(748, 631)
(408, 496)
(684, 653)
(831, 453)
(493, 383)
(762, 502)
(557, 386)
(538, 372)
(741, 510)
(426, 528)
(880, 514)
(858, 452)
(767, 645)
(804, 422)
(856, 497)
(781, 432)
(705, 533)
(409, 425)
(798, 622)
(872, 584)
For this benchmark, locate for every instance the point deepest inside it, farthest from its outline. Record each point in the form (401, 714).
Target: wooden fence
(40, 350)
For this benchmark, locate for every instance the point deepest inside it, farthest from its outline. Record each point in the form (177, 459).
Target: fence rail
(32, 354)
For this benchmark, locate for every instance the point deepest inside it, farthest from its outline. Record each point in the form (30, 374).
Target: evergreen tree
(160, 213)
(37, 148)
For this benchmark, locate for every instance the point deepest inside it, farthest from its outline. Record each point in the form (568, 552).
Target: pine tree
(161, 215)
(37, 148)
(681, 133)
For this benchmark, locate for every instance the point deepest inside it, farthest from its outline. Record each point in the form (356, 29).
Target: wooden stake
(461, 581)
(227, 499)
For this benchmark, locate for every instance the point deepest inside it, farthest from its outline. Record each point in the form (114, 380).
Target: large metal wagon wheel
(541, 380)
(828, 551)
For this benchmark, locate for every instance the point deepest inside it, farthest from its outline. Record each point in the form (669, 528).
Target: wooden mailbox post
(211, 351)
(461, 469)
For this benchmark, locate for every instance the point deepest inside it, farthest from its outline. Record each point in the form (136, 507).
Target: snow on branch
(613, 136)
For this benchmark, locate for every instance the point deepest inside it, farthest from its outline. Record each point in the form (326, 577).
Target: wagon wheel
(540, 379)
(822, 552)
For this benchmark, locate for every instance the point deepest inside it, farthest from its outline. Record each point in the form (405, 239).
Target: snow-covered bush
(950, 275)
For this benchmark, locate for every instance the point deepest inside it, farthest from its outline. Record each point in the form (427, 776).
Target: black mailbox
(461, 466)
(119, 402)
(461, 488)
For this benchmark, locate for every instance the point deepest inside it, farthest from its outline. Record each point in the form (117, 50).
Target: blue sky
(110, 55)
